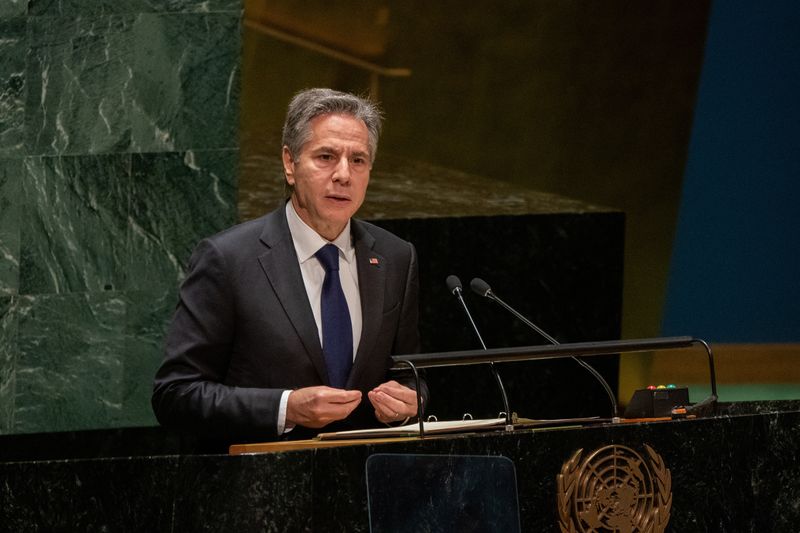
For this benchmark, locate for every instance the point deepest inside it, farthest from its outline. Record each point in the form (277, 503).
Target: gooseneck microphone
(454, 286)
(482, 288)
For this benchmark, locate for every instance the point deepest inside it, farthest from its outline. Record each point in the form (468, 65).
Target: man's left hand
(393, 402)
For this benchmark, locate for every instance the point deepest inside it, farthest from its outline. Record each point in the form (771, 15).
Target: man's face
(331, 173)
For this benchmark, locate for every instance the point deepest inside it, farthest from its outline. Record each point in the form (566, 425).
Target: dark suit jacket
(243, 330)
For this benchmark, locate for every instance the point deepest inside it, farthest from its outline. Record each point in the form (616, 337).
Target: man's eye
(326, 157)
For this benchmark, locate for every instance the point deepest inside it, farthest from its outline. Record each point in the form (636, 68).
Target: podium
(736, 471)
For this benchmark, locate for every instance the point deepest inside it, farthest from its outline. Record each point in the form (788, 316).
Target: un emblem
(614, 490)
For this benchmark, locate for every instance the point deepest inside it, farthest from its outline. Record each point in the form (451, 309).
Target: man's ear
(288, 165)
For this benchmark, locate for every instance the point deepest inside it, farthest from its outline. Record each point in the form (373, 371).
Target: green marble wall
(118, 151)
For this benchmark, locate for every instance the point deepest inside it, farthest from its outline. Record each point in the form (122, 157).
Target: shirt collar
(307, 241)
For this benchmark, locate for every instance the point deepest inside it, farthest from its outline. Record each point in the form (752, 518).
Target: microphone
(454, 286)
(482, 288)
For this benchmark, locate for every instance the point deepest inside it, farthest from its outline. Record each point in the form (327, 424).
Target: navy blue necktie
(337, 331)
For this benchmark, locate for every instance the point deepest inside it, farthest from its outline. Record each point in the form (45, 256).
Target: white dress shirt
(306, 243)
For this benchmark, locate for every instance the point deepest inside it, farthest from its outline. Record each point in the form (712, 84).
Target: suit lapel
(371, 286)
(281, 267)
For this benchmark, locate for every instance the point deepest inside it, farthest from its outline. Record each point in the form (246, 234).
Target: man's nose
(342, 171)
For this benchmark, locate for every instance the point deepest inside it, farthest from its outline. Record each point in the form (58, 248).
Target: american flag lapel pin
(373, 261)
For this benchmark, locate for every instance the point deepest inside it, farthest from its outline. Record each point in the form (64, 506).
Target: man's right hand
(315, 407)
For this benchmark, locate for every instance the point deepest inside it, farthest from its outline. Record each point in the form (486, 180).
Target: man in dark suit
(286, 323)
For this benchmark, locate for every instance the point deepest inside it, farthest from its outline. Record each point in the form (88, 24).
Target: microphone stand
(536, 353)
(454, 284)
(482, 288)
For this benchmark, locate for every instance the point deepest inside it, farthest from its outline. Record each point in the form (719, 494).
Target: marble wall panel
(106, 222)
(176, 200)
(13, 49)
(8, 358)
(87, 360)
(74, 223)
(12, 8)
(94, 240)
(81, 7)
(146, 323)
(10, 187)
(78, 100)
(83, 95)
(69, 370)
(186, 88)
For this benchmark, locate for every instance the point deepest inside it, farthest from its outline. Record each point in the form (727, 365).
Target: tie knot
(328, 255)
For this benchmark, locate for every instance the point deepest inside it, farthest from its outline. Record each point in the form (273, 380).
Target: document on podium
(453, 426)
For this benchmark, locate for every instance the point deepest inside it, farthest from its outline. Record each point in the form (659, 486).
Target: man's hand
(315, 407)
(393, 402)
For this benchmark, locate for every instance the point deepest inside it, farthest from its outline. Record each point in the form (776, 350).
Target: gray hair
(311, 103)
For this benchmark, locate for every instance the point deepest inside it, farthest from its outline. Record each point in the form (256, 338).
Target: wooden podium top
(435, 429)
(292, 445)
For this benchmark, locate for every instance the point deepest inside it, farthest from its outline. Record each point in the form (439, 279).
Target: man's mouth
(338, 198)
